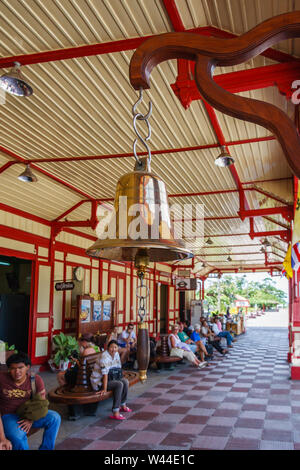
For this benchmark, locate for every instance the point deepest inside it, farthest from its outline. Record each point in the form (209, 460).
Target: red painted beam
(285, 211)
(68, 211)
(46, 173)
(153, 152)
(173, 13)
(119, 46)
(270, 219)
(233, 254)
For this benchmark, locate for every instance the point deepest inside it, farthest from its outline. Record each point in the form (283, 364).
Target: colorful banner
(287, 270)
(295, 254)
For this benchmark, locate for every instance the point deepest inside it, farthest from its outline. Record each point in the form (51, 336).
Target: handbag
(177, 352)
(115, 373)
(36, 407)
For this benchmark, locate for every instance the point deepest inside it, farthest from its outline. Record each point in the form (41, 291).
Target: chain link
(141, 117)
(142, 299)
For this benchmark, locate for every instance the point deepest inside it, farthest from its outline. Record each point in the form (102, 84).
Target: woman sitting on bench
(123, 351)
(107, 375)
(182, 350)
(86, 347)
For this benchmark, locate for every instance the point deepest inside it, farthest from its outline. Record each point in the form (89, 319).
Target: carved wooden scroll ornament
(211, 52)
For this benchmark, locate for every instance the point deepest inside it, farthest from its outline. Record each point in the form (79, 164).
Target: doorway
(163, 308)
(15, 292)
(182, 306)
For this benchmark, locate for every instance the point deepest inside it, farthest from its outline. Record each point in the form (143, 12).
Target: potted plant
(9, 350)
(64, 347)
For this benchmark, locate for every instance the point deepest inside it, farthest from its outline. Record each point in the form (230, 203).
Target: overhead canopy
(77, 125)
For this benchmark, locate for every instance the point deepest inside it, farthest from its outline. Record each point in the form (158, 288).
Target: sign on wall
(64, 286)
(186, 283)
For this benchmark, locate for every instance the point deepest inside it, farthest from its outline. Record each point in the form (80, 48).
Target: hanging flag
(287, 270)
(295, 255)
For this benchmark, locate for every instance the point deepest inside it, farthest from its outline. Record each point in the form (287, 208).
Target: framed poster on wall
(85, 310)
(97, 310)
(107, 307)
(93, 315)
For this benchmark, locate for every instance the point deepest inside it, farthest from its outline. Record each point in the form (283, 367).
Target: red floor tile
(242, 444)
(119, 435)
(210, 443)
(177, 410)
(73, 444)
(178, 440)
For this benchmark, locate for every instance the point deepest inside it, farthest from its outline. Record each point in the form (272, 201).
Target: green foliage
(64, 347)
(258, 293)
(10, 348)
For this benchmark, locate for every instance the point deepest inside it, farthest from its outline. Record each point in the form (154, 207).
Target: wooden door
(42, 313)
(117, 289)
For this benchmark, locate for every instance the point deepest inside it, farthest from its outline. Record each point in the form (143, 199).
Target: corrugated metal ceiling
(82, 107)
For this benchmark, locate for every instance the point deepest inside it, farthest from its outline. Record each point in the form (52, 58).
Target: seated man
(15, 389)
(128, 340)
(222, 334)
(211, 338)
(195, 336)
(5, 444)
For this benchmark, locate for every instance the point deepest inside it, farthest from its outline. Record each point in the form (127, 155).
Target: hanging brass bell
(148, 236)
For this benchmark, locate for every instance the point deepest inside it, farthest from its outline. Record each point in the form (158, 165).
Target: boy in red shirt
(15, 389)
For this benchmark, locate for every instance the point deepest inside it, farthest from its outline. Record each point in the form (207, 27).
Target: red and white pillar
(294, 310)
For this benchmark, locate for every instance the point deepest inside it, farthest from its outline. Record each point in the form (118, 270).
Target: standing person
(211, 339)
(179, 349)
(222, 334)
(15, 390)
(102, 382)
(219, 324)
(123, 351)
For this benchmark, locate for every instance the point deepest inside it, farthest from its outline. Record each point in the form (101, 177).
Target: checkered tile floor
(242, 401)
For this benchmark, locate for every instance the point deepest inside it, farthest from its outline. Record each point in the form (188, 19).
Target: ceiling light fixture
(266, 242)
(224, 159)
(27, 175)
(13, 82)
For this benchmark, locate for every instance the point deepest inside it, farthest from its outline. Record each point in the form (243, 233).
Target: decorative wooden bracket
(211, 52)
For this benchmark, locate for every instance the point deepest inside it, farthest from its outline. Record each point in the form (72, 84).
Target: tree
(258, 293)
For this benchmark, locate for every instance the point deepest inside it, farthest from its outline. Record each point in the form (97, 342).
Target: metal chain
(141, 117)
(142, 299)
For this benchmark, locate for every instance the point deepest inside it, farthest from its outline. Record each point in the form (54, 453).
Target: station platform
(243, 401)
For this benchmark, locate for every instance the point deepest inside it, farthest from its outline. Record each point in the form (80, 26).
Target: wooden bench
(82, 393)
(163, 358)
